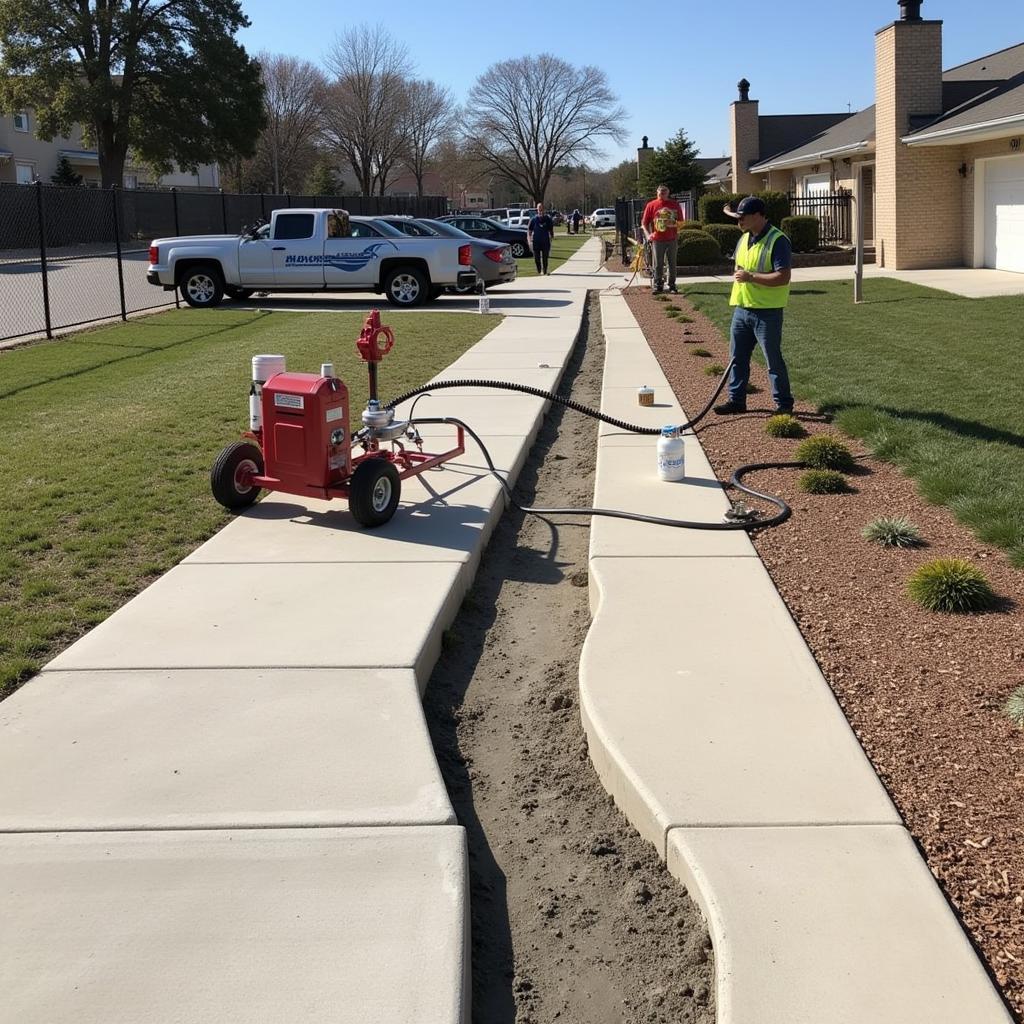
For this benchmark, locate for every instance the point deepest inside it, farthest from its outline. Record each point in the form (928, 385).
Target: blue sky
(674, 70)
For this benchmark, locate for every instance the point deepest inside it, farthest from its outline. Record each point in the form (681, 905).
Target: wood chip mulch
(923, 691)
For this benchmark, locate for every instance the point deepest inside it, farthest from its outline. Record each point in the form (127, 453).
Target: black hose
(741, 524)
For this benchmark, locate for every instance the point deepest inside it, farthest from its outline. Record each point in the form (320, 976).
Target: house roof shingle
(853, 133)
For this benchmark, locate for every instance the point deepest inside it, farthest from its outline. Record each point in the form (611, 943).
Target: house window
(21, 121)
(131, 181)
(26, 173)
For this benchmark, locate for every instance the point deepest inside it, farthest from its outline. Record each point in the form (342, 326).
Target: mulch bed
(923, 691)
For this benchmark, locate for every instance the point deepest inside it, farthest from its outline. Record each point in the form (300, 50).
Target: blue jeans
(751, 327)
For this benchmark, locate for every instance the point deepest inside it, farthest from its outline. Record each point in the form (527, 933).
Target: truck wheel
(202, 286)
(232, 473)
(407, 287)
(374, 492)
(238, 294)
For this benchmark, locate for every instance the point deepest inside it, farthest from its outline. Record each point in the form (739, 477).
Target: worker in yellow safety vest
(760, 292)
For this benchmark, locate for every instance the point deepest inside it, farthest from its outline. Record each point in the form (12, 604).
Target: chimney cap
(645, 146)
(910, 10)
(744, 87)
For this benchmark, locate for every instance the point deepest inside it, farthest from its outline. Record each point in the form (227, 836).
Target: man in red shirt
(659, 222)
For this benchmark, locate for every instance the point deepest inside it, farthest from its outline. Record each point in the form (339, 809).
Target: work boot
(784, 409)
(731, 407)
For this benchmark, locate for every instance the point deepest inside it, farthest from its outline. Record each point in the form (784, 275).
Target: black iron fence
(834, 213)
(72, 256)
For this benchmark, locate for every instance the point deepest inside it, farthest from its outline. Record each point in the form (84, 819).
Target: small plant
(714, 370)
(753, 389)
(783, 425)
(703, 352)
(950, 585)
(1015, 707)
(825, 451)
(893, 532)
(662, 298)
(824, 481)
(684, 319)
(672, 313)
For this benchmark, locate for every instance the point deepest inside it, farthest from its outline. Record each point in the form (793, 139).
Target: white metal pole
(858, 277)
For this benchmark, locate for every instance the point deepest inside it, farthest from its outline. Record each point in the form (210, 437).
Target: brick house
(938, 161)
(24, 158)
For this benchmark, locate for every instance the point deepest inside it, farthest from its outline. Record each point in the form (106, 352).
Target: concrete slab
(509, 414)
(703, 705)
(630, 364)
(844, 925)
(310, 925)
(627, 480)
(482, 364)
(615, 313)
(445, 515)
(546, 378)
(622, 403)
(217, 749)
(280, 616)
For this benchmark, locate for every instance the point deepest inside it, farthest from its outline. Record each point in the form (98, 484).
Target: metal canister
(645, 395)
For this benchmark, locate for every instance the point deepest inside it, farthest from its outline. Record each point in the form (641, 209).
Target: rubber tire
(422, 287)
(368, 508)
(215, 284)
(224, 474)
(435, 294)
(519, 250)
(239, 294)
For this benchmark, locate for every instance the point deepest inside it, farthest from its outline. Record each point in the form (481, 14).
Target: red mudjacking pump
(300, 441)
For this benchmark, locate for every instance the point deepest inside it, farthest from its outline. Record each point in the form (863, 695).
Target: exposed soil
(574, 917)
(923, 691)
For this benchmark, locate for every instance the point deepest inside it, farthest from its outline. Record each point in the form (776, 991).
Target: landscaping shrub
(690, 225)
(950, 585)
(804, 232)
(662, 298)
(672, 313)
(825, 451)
(1015, 707)
(783, 425)
(710, 206)
(893, 532)
(697, 249)
(823, 481)
(702, 352)
(726, 235)
(714, 370)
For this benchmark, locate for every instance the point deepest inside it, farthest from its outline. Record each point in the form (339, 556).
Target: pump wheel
(406, 286)
(232, 473)
(374, 492)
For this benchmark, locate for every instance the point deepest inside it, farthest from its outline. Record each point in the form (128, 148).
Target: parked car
(557, 217)
(494, 231)
(311, 250)
(492, 261)
(520, 218)
(603, 218)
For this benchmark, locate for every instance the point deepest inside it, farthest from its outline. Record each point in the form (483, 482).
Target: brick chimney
(643, 154)
(746, 145)
(918, 198)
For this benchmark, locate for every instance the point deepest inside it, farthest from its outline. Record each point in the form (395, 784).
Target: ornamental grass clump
(714, 370)
(950, 585)
(703, 352)
(825, 451)
(783, 425)
(1015, 707)
(892, 532)
(824, 481)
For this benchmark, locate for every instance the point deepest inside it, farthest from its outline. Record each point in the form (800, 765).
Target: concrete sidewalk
(222, 803)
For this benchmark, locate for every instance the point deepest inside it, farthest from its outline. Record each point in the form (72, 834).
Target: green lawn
(562, 247)
(916, 373)
(107, 437)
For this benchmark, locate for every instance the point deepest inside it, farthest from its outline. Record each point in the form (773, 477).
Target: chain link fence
(71, 256)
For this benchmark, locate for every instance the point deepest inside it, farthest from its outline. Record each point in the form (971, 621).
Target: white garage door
(1004, 214)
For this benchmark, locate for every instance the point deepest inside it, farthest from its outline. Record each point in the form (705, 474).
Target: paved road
(81, 289)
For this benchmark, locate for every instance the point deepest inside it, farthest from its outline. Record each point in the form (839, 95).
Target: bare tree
(528, 116)
(432, 115)
(364, 116)
(295, 91)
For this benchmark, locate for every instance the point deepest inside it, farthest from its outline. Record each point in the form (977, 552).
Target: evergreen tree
(65, 173)
(322, 180)
(673, 165)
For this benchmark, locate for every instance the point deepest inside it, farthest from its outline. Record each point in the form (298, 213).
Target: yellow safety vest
(757, 258)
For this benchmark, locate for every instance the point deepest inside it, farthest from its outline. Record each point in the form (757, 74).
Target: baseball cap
(751, 204)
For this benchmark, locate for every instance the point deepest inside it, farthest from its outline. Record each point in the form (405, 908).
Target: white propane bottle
(671, 454)
(263, 368)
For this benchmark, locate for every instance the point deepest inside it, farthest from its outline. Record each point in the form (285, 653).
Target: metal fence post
(288, 196)
(224, 210)
(174, 198)
(117, 246)
(42, 258)
(263, 205)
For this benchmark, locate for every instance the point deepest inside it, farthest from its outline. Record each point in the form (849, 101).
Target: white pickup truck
(311, 250)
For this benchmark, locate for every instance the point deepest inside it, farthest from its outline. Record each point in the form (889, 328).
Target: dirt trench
(574, 917)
